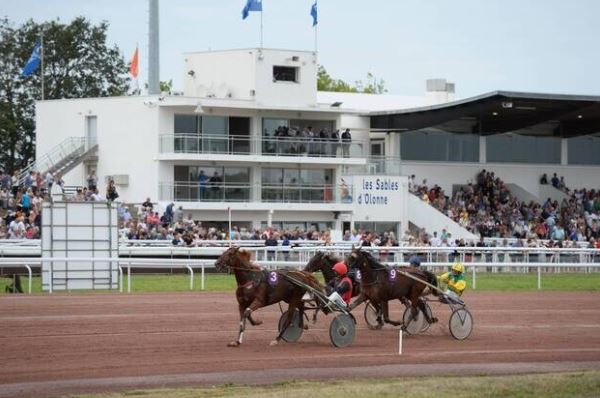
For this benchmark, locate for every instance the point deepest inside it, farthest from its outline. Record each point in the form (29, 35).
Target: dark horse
(258, 288)
(324, 262)
(380, 284)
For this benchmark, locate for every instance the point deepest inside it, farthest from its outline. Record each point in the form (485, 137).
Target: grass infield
(585, 282)
(554, 385)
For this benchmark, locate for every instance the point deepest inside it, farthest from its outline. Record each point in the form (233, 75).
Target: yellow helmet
(458, 267)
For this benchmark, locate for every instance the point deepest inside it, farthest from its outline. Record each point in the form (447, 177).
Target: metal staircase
(62, 158)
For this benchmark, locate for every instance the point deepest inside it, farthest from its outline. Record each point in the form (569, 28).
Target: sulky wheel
(342, 330)
(416, 325)
(426, 324)
(460, 323)
(373, 317)
(294, 329)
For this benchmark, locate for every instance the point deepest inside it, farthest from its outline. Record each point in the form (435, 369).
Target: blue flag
(34, 60)
(251, 5)
(313, 13)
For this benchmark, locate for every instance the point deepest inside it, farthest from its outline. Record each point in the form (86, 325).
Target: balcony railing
(270, 146)
(276, 193)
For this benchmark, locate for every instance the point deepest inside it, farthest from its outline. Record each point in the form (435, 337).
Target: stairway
(426, 216)
(62, 158)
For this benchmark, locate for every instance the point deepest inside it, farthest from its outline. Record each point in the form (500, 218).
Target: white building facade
(238, 138)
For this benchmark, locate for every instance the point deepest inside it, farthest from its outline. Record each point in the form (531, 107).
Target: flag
(34, 60)
(251, 5)
(133, 68)
(313, 13)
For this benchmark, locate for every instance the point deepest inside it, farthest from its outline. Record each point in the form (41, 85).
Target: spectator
(346, 142)
(92, 181)
(111, 191)
(544, 179)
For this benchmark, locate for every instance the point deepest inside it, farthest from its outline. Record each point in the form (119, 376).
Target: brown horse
(380, 284)
(258, 288)
(324, 262)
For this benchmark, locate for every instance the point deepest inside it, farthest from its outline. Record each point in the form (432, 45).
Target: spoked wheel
(460, 323)
(414, 325)
(373, 317)
(294, 329)
(426, 324)
(342, 330)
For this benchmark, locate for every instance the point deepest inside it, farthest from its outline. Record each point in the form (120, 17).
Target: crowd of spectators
(305, 141)
(487, 208)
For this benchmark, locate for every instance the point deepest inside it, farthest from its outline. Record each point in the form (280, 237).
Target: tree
(326, 83)
(78, 63)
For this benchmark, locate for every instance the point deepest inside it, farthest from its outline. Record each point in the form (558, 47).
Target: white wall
(127, 139)
(219, 73)
(235, 73)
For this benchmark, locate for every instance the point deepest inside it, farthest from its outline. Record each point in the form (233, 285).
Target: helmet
(340, 268)
(458, 267)
(415, 260)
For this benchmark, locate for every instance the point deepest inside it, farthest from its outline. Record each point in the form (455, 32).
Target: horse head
(321, 261)
(233, 257)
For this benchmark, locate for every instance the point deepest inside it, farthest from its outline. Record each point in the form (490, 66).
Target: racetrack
(65, 344)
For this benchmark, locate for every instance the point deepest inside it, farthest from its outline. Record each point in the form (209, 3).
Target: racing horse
(324, 262)
(257, 288)
(380, 284)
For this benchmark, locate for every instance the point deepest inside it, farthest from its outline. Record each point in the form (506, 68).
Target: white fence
(125, 265)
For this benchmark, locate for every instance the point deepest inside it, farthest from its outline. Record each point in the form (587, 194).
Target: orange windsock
(133, 68)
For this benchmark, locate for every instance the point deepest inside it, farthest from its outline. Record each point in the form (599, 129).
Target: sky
(547, 46)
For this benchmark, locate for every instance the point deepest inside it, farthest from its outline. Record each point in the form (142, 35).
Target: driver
(341, 284)
(455, 280)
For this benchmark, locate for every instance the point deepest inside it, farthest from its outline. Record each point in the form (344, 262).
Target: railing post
(120, 279)
(191, 276)
(202, 279)
(539, 277)
(30, 274)
(129, 277)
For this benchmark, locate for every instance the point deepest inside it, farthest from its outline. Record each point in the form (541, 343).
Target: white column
(564, 151)
(482, 149)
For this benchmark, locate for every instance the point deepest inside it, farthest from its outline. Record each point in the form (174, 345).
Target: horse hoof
(273, 343)
(233, 344)
(434, 320)
(305, 327)
(257, 323)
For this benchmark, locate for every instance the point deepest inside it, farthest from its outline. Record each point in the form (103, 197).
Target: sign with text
(379, 198)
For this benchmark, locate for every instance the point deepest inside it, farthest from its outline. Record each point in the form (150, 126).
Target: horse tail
(431, 279)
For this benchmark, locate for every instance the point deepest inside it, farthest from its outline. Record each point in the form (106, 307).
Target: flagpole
(42, 60)
(261, 28)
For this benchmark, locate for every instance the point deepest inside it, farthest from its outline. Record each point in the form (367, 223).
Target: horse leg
(423, 308)
(237, 342)
(362, 298)
(290, 313)
(386, 314)
(245, 314)
(254, 322)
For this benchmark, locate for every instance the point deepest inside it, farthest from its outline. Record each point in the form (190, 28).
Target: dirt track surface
(65, 344)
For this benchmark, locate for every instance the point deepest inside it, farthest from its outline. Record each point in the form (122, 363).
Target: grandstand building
(244, 136)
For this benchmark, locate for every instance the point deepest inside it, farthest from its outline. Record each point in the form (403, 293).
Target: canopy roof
(500, 112)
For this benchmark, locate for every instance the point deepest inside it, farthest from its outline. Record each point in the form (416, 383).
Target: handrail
(58, 153)
(242, 192)
(189, 264)
(265, 145)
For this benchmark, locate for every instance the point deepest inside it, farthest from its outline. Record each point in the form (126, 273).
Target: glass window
(438, 145)
(584, 150)
(285, 73)
(214, 134)
(522, 149)
(212, 183)
(186, 124)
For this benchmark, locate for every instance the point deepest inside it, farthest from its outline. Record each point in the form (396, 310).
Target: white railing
(203, 264)
(277, 193)
(269, 146)
(71, 146)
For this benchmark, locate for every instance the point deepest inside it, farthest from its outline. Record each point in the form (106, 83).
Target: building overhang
(549, 115)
